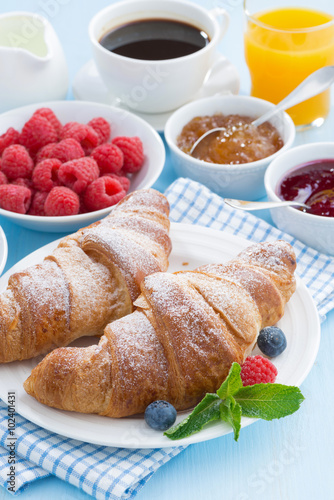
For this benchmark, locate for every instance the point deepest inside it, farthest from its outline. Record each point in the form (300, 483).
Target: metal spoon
(260, 205)
(314, 84)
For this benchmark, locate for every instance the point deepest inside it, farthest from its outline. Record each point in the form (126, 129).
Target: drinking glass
(283, 45)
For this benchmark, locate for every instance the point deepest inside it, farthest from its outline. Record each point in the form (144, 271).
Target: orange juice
(282, 47)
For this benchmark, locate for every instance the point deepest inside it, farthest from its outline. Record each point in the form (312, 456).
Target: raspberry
(133, 152)
(65, 150)
(124, 181)
(122, 173)
(8, 138)
(83, 209)
(37, 204)
(108, 157)
(78, 174)
(61, 201)
(36, 133)
(16, 162)
(3, 178)
(101, 127)
(84, 134)
(15, 198)
(103, 193)
(25, 183)
(258, 370)
(51, 117)
(45, 174)
(45, 152)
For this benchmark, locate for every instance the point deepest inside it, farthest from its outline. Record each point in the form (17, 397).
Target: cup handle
(223, 18)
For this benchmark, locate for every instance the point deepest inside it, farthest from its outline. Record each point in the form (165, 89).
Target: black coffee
(155, 39)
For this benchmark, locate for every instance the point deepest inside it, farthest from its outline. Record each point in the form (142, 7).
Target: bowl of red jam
(305, 174)
(233, 162)
(311, 183)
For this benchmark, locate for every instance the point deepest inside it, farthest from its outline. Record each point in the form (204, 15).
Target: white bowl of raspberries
(65, 164)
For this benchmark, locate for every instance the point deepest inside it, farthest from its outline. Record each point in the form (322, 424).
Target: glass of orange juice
(283, 45)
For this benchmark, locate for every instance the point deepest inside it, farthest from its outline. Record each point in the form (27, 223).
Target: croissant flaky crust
(90, 279)
(180, 342)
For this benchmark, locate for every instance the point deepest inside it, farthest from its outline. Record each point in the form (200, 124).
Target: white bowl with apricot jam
(233, 162)
(306, 174)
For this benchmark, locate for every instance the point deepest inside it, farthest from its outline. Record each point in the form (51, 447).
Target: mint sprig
(206, 411)
(232, 384)
(269, 401)
(232, 401)
(230, 412)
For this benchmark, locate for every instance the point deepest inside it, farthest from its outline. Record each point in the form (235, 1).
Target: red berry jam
(311, 183)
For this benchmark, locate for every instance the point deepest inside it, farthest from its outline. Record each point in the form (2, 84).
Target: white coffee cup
(156, 86)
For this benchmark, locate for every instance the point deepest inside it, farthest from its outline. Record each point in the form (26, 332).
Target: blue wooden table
(288, 459)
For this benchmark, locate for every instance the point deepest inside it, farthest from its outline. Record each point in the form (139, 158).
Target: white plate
(192, 246)
(3, 250)
(122, 123)
(88, 86)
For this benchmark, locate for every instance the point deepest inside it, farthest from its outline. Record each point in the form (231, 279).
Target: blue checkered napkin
(101, 471)
(193, 203)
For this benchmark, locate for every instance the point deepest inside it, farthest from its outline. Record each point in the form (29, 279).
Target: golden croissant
(187, 330)
(90, 279)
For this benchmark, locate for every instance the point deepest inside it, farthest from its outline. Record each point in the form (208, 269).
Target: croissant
(187, 330)
(91, 278)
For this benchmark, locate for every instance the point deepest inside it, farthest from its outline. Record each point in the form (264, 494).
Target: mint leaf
(269, 401)
(206, 411)
(232, 400)
(232, 383)
(230, 412)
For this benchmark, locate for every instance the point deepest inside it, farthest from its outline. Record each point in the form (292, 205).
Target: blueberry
(271, 341)
(160, 415)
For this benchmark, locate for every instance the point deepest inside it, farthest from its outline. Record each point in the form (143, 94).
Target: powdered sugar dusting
(42, 289)
(140, 369)
(141, 227)
(148, 198)
(91, 305)
(71, 294)
(273, 257)
(134, 259)
(232, 302)
(193, 335)
(189, 326)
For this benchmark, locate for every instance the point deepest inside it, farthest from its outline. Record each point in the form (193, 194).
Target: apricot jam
(239, 143)
(311, 183)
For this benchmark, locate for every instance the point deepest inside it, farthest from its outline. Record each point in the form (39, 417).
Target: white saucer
(88, 86)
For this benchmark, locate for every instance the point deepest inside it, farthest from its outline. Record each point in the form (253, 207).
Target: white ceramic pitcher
(32, 61)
